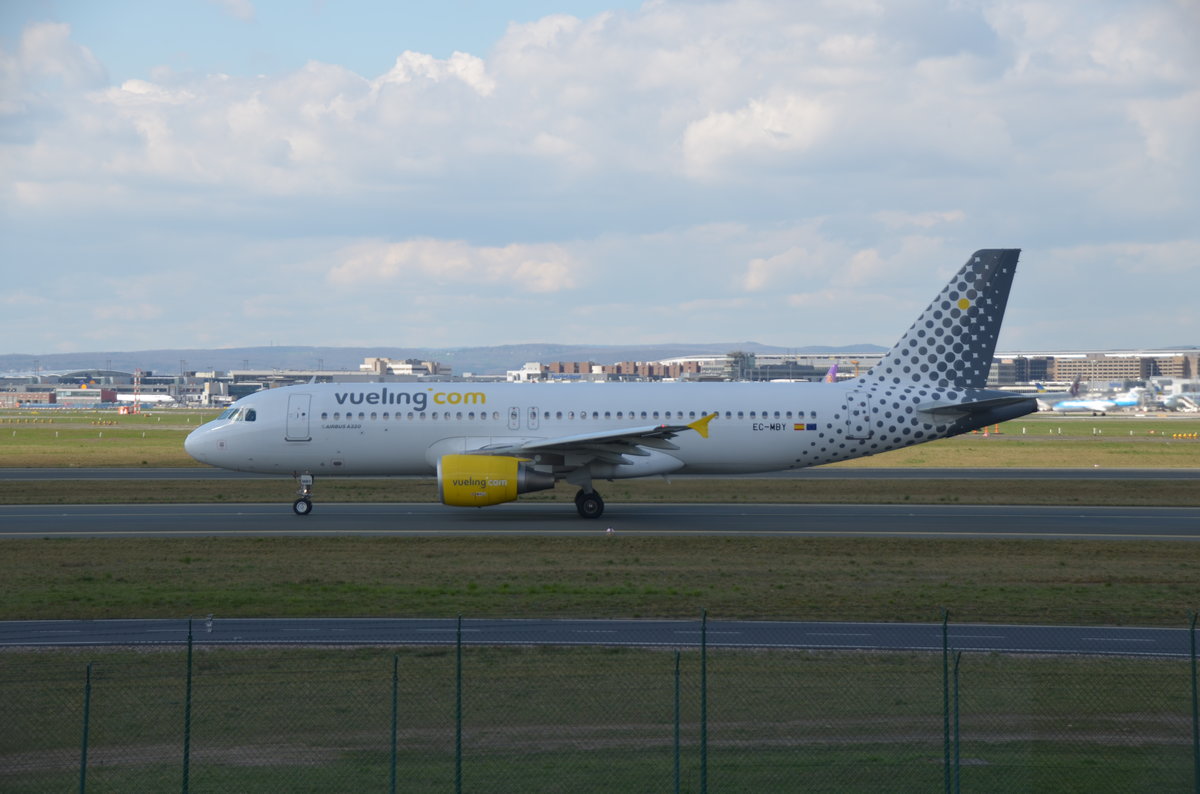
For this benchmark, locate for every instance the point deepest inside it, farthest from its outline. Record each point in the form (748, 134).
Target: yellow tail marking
(701, 425)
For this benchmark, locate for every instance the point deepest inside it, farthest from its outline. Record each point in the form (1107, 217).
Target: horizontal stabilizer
(974, 406)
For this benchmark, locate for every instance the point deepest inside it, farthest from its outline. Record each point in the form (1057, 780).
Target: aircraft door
(297, 417)
(514, 418)
(533, 418)
(858, 414)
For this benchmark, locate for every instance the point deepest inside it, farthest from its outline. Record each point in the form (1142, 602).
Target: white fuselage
(404, 428)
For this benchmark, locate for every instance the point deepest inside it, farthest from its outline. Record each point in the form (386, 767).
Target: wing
(608, 446)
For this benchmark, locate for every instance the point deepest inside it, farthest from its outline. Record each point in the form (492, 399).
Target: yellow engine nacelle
(479, 480)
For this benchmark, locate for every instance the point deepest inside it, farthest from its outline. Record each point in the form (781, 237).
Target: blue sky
(238, 172)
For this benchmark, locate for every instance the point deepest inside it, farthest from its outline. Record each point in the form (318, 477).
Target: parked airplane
(1047, 400)
(488, 443)
(1100, 405)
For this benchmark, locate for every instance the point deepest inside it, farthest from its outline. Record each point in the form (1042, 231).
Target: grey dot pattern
(952, 343)
(944, 357)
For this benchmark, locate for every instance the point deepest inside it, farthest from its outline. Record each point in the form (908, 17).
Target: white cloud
(238, 9)
(413, 263)
(899, 219)
(761, 130)
(741, 155)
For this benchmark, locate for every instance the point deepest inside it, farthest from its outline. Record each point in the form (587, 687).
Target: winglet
(701, 425)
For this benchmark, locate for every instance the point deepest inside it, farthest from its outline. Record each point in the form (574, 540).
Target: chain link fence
(464, 717)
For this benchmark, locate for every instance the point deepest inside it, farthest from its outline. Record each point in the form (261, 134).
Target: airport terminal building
(1171, 371)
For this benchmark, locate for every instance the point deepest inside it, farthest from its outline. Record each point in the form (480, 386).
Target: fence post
(1195, 712)
(677, 719)
(946, 698)
(957, 733)
(458, 708)
(395, 717)
(703, 701)
(187, 713)
(83, 749)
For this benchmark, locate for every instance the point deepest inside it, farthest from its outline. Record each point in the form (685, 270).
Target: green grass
(1002, 581)
(75, 439)
(580, 719)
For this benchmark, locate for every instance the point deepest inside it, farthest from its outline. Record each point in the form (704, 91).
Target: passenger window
(608, 414)
(620, 414)
(459, 416)
(777, 414)
(656, 414)
(570, 414)
(373, 416)
(643, 414)
(752, 414)
(324, 416)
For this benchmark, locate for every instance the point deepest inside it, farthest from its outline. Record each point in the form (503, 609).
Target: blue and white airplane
(488, 443)
(1100, 405)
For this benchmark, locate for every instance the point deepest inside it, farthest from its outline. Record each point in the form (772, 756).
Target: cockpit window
(250, 415)
(227, 413)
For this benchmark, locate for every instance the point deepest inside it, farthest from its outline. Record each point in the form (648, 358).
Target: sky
(231, 173)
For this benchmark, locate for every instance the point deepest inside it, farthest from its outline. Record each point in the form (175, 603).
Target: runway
(625, 519)
(1089, 640)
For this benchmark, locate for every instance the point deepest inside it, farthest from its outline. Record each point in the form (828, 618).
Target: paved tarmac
(560, 519)
(1089, 640)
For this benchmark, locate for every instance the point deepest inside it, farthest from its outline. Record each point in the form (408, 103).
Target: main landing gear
(589, 504)
(303, 505)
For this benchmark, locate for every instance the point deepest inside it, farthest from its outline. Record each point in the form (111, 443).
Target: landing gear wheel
(302, 507)
(589, 505)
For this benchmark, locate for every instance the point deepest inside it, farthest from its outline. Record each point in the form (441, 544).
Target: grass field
(576, 719)
(591, 719)
(1001, 581)
(88, 439)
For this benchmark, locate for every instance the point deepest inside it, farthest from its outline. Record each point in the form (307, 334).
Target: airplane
(1047, 400)
(488, 443)
(1100, 406)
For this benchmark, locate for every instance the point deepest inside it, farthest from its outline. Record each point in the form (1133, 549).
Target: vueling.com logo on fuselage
(419, 400)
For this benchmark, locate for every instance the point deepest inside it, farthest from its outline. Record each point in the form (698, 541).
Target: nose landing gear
(303, 505)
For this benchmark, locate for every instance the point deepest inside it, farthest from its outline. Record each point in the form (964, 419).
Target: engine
(479, 480)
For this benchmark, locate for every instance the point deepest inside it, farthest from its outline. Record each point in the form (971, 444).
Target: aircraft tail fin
(953, 341)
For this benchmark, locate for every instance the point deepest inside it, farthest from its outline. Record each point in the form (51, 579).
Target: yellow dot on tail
(964, 304)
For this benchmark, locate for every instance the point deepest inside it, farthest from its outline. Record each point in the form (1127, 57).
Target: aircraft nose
(194, 445)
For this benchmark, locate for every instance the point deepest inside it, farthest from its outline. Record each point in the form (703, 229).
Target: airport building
(1171, 371)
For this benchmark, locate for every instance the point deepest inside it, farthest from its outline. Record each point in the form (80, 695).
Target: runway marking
(834, 634)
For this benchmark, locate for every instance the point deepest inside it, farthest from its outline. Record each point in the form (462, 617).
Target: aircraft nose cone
(194, 445)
